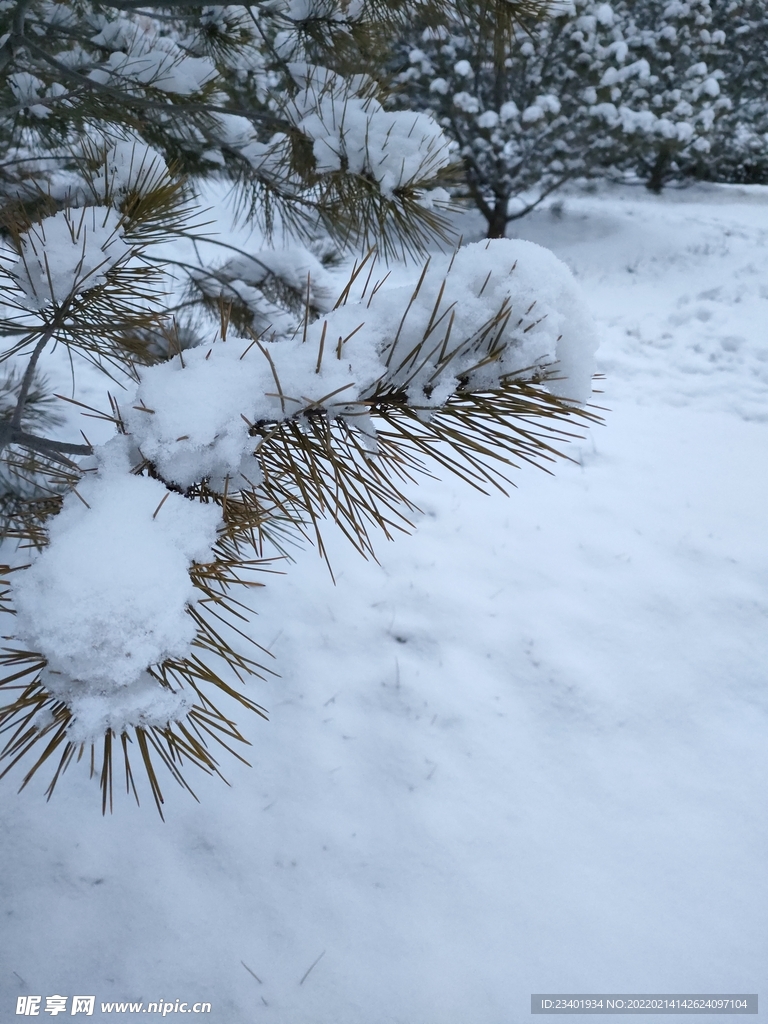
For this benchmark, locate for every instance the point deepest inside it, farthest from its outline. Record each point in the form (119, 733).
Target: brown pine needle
(162, 502)
(311, 966)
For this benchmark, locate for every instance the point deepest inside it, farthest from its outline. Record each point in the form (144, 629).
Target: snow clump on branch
(66, 254)
(495, 310)
(108, 597)
(131, 165)
(350, 129)
(150, 59)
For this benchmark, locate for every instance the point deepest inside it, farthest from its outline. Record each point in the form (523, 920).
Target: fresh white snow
(525, 753)
(86, 244)
(108, 597)
(348, 127)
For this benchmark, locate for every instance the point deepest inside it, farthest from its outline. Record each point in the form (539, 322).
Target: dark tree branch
(29, 374)
(547, 192)
(12, 432)
(57, 450)
(8, 49)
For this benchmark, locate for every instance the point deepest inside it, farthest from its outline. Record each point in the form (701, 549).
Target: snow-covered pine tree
(511, 101)
(661, 92)
(127, 630)
(590, 89)
(740, 142)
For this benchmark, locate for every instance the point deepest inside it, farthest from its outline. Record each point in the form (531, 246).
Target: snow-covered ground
(526, 753)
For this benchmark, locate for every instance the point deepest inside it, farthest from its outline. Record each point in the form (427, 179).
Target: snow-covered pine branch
(127, 630)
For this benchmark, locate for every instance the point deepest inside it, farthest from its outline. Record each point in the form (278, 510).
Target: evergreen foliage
(740, 143)
(661, 93)
(248, 404)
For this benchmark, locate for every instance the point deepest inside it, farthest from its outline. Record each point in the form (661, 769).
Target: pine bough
(128, 625)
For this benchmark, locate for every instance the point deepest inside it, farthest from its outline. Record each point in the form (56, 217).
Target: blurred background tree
(592, 90)
(740, 143)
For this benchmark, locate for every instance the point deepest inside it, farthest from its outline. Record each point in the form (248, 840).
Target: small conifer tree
(740, 143)
(590, 89)
(512, 102)
(247, 401)
(661, 93)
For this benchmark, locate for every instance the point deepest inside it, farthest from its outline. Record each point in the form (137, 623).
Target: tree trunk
(656, 181)
(497, 222)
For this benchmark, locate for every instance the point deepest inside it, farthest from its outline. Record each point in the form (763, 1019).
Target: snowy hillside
(525, 753)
